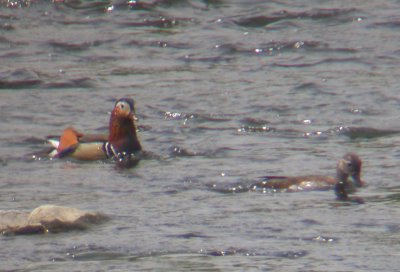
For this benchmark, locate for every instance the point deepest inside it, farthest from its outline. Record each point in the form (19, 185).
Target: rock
(48, 218)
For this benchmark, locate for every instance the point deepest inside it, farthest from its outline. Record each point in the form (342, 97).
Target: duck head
(122, 128)
(349, 165)
(354, 164)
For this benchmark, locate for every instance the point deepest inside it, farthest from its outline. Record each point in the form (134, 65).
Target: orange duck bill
(348, 166)
(122, 140)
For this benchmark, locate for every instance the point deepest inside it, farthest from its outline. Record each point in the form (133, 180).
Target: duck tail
(66, 144)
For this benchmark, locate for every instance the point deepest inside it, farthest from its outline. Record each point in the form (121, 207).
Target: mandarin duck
(121, 142)
(348, 166)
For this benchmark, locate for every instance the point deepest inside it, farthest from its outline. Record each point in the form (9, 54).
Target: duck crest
(122, 128)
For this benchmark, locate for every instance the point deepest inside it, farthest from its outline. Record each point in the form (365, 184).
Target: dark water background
(226, 91)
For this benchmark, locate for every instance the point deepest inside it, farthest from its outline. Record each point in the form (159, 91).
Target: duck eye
(123, 106)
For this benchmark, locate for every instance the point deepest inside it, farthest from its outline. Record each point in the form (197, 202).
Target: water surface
(226, 92)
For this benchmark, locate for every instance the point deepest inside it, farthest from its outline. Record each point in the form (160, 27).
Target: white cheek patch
(124, 107)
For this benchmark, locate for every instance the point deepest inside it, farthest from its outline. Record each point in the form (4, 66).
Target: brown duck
(348, 166)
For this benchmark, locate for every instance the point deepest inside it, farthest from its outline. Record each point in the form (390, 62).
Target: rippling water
(226, 92)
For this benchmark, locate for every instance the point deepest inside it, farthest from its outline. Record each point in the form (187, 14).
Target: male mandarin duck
(122, 140)
(348, 166)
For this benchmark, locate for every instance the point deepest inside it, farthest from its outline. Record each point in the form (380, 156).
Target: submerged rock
(47, 218)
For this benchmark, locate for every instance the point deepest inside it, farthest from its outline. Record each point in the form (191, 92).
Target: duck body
(85, 151)
(121, 141)
(347, 179)
(297, 183)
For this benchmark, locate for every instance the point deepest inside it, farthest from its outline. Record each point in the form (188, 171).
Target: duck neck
(341, 185)
(357, 180)
(123, 134)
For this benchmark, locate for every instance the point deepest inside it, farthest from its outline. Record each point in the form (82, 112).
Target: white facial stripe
(124, 106)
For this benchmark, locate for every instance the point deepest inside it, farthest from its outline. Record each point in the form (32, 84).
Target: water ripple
(158, 23)
(19, 78)
(315, 14)
(255, 125)
(292, 254)
(355, 132)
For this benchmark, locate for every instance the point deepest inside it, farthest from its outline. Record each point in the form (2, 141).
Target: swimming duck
(121, 142)
(348, 166)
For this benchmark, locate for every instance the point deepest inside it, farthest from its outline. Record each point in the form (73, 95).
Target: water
(226, 92)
